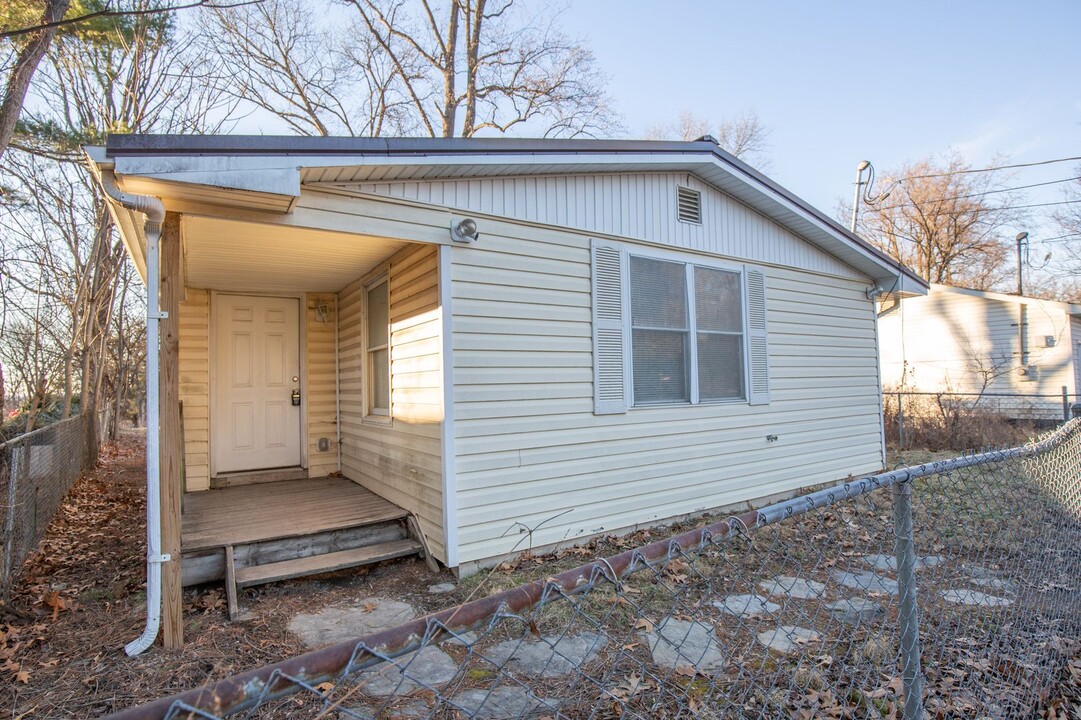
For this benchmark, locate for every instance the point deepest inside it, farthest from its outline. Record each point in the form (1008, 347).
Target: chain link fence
(944, 590)
(36, 472)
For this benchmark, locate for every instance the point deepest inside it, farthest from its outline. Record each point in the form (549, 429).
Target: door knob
(296, 397)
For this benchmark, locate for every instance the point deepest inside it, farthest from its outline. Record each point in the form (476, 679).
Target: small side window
(377, 334)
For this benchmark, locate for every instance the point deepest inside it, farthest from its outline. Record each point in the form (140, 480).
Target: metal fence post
(8, 471)
(900, 421)
(1065, 404)
(905, 551)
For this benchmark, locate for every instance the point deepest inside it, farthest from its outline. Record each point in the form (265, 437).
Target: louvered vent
(690, 205)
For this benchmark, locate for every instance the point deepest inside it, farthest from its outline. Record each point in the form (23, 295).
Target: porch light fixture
(464, 230)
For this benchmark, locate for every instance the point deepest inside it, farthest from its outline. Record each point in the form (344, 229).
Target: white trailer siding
(969, 341)
(398, 458)
(529, 449)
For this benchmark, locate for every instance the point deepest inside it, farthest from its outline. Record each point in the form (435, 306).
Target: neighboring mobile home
(620, 333)
(1017, 352)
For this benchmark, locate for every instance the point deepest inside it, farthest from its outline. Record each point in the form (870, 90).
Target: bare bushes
(947, 421)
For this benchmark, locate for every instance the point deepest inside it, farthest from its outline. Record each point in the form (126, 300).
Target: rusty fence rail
(946, 590)
(36, 471)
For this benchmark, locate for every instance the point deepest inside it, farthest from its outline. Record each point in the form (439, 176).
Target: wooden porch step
(329, 562)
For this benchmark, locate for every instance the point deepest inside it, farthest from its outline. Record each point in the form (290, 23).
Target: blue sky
(840, 82)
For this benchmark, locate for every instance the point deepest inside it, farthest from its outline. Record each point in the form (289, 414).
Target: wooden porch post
(171, 450)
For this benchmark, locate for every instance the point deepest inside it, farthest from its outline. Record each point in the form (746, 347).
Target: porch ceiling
(255, 257)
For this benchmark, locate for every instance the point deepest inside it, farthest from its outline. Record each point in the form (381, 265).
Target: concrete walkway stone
(549, 657)
(675, 643)
(503, 703)
(855, 610)
(427, 667)
(442, 588)
(333, 625)
(865, 581)
(888, 563)
(787, 638)
(748, 606)
(964, 596)
(793, 587)
(994, 584)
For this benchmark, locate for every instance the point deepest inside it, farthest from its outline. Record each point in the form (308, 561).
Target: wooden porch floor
(269, 511)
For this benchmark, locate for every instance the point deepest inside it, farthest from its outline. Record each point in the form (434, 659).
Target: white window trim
(371, 413)
(689, 262)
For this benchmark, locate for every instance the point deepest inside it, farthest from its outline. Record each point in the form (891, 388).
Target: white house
(1017, 352)
(635, 331)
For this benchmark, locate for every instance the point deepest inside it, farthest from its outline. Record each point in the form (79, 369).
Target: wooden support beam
(172, 482)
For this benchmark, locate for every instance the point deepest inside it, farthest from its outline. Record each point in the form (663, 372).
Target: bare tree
(29, 27)
(318, 77)
(469, 66)
(122, 73)
(24, 54)
(949, 224)
(744, 136)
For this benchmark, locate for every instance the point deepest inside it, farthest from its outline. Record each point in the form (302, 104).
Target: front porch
(254, 534)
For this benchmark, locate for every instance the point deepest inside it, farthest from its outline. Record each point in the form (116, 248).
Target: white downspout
(155, 215)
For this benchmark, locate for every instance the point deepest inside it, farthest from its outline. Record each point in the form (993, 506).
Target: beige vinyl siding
(400, 459)
(956, 341)
(321, 386)
(631, 205)
(194, 364)
(529, 449)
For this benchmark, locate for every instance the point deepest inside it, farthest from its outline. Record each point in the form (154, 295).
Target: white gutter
(155, 216)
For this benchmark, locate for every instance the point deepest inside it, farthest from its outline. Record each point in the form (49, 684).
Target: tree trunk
(472, 52)
(22, 72)
(450, 97)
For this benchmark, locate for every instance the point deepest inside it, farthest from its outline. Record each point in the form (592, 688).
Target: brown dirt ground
(81, 598)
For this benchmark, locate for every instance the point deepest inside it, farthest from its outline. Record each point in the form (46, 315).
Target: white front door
(254, 420)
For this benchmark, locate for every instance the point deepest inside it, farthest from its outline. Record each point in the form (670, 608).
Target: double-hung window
(377, 341)
(672, 329)
(686, 332)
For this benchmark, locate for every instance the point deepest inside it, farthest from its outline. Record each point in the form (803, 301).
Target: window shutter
(758, 346)
(609, 392)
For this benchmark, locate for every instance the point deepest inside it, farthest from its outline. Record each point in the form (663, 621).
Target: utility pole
(864, 164)
(1021, 237)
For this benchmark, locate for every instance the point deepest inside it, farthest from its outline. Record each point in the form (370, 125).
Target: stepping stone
(793, 587)
(442, 588)
(334, 625)
(994, 584)
(855, 610)
(503, 703)
(465, 639)
(865, 581)
(427, 667)
(748, 606)
(675, 643)
(412, 709)
(550, 656)
(787, 638)
(888, 563)
(973, 597)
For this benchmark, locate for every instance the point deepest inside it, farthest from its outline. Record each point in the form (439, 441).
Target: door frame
(302, 349)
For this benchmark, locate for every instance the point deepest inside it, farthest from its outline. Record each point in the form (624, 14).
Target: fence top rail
(951, 393)
(249, 689)
(19, 439)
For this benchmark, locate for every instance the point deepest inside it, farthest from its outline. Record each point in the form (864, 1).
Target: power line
(978, 194)
(989, 169)
(963, 211)
(1058, 238)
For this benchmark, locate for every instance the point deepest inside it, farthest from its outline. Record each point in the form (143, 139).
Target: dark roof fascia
(279, 145)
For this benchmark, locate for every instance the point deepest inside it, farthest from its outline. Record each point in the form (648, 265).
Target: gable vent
(690, 205)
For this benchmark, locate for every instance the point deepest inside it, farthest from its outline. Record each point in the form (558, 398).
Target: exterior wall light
(464, 230)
